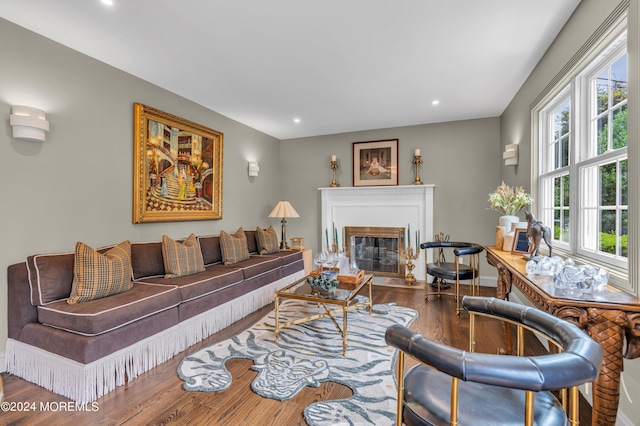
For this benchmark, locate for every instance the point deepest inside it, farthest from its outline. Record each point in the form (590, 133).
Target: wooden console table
(608, 316)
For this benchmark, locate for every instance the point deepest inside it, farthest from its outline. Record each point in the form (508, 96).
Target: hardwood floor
(157, 397)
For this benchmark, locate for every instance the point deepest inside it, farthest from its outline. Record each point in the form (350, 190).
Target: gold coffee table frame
(344, 298)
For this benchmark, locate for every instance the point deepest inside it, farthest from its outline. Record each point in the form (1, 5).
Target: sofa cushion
(109, 313)
(267, 240)
(288, 256)
(210, 246)
(258, 264)
(181, 259)
(147, 260)
(50, 277)
(213, 279)
(234, 247)
(97, 275)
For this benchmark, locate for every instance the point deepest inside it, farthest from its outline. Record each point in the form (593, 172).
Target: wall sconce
(254, 168)
(29, 123)
(510, 155)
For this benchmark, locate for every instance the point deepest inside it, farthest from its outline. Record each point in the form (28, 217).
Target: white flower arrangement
(508, 200)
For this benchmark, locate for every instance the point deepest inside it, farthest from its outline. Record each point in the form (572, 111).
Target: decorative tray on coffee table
(344, 279)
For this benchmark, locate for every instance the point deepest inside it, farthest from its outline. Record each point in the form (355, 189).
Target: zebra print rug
(309, 354)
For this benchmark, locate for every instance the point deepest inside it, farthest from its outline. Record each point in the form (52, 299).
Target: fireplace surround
(403, 206)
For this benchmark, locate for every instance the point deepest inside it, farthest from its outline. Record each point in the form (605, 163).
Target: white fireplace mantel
(380, 206)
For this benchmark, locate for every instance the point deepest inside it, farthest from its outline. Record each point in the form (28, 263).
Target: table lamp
(284, 209)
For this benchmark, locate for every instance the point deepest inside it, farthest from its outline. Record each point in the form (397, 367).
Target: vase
(507, 220)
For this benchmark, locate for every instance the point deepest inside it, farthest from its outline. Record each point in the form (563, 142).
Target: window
(582, 152)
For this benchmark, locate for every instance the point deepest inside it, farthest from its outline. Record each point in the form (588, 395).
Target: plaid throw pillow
(181, 259)
(98, 275)
(267, 240)
(234, 247)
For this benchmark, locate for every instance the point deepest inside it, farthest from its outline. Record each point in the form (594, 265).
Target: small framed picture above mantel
(375, 163)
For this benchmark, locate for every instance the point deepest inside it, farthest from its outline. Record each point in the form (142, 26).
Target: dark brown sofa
(85, 350)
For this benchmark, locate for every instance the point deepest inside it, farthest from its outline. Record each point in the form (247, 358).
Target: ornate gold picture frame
(177, 168)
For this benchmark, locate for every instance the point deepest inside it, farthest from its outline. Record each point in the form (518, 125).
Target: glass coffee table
(342, 300)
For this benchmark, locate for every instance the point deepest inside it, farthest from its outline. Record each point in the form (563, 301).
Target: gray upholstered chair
(457, 270)
(453, 386)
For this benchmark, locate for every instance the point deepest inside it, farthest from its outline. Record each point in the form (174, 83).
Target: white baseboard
(622, 420)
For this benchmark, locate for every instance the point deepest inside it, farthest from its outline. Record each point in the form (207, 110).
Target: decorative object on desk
(297, 243)
(521, 242)
(310, 356)
(537, 231)
(545, 265)
(509, 201)
(507, 245)
(500, 233)
(334, 167)
(375, 163)
(580, 279)
(417, 160)
(284, 209)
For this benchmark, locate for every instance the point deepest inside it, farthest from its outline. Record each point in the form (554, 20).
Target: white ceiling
(337, 65)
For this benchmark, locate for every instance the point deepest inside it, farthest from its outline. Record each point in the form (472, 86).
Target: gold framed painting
(375, 163)
(177, 168)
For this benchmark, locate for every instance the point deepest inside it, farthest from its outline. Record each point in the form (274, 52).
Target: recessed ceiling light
(107, 2)
(435, 102)
(296, 120)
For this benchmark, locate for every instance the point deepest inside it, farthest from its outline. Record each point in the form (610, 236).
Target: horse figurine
(536, 231)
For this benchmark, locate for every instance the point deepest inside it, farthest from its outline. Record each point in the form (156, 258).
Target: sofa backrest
(210, 247)
(51, 275)
(146, 260)
(252, 244)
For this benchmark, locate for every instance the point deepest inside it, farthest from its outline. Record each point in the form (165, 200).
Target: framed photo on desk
(521, 243)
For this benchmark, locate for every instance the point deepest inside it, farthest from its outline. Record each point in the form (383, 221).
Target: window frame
(571, 86)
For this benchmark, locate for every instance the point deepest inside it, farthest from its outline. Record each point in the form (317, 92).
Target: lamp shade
(283, 209)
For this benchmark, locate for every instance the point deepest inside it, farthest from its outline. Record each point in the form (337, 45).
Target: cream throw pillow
(234, 247)
(181, 259)
(267, 240)
(97, 275)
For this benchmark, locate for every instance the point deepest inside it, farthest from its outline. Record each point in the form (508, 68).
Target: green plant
(508, 200)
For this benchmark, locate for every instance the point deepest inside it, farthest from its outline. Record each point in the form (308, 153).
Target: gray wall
(515, 127)
(77, 186)
(462, 160)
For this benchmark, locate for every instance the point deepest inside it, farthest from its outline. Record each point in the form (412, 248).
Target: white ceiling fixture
(345, 65)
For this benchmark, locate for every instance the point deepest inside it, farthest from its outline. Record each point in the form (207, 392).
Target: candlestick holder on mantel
(334, 167)
(417, 160)
(410, 254)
